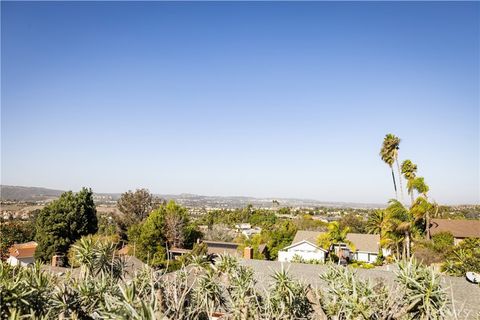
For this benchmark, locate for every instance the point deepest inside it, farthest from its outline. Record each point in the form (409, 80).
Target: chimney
(248, 253)
(57, 260)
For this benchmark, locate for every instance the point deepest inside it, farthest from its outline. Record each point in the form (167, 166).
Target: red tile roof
(23, 250)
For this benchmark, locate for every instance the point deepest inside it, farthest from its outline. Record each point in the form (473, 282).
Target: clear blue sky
(260, 99)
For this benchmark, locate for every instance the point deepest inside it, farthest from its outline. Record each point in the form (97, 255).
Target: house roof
(179, 250)
(262, 247)
(216, 247)
(301, 242)
(362, 242)
(23, 250)
(459, 228)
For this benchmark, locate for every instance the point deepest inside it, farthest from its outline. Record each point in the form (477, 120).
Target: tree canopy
(63, 221)
(166, 227)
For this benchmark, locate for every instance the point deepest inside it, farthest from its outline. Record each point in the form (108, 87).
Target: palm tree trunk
(394, 183)
(410, 190)
(427, 225)
(400, 178)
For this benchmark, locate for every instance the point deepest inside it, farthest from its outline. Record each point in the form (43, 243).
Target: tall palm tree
(409, 170)
(420, 186)
(389, 154)
(337, 234)
(377, 222)
(421, 211)
(402, 221)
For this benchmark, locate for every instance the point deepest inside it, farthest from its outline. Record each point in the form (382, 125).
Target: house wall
(304, 250)
(22, 262)
(365, 256)
(287, 256)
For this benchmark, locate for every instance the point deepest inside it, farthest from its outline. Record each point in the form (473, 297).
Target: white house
(22, 254)
(303, 249)
(366, 246)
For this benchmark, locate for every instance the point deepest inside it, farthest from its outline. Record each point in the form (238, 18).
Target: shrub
(465, 257)
(443, 242)
(346, 297)
(423, 294)
(425, 254)
(416, 295)
(226, 287)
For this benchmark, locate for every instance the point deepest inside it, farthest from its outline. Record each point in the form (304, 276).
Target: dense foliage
(203, 289)
(463, 258)
(15, 231)
(279, 237)
(166, 227)
(63, 221)
(249, 214)
(135, 207)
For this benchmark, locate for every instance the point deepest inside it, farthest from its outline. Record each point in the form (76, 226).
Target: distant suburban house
(176, 253)
(22, 254)
(221, 248)
(460, 229)
(303, 249)
(247, 230)
(304, 244)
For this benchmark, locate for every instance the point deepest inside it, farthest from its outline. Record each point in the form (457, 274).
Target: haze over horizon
(287, 100)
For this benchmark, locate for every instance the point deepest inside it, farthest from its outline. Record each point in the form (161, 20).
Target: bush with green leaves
(345, 296)
(443, 242)
(416, 294)
(200, 289)
(298, 259)
(465, 257)
(423, 296)
(63, 221)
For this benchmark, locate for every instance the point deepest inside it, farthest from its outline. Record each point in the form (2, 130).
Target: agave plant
(423, 294)
(243, 299)
(228, 287)
(345, 296)
(97, 256)
(289, 297)
(26, 291)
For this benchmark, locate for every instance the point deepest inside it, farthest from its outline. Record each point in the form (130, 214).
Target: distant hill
(17, 193)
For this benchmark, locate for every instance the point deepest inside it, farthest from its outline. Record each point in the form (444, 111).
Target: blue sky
(260, 99)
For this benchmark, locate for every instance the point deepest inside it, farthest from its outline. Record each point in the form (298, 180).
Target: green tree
(377, 222)
(465, 257)
(353, 221)
(409, 222)
(63, 221)
(420, 186)
(409, 170)
(389, 155)
(14, 231)
(336, 234)
(279, 236)
(137, 205)
(166, 227)
(176, 223)
(151, 242)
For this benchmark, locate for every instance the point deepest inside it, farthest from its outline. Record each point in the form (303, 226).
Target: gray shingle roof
(362, 242)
